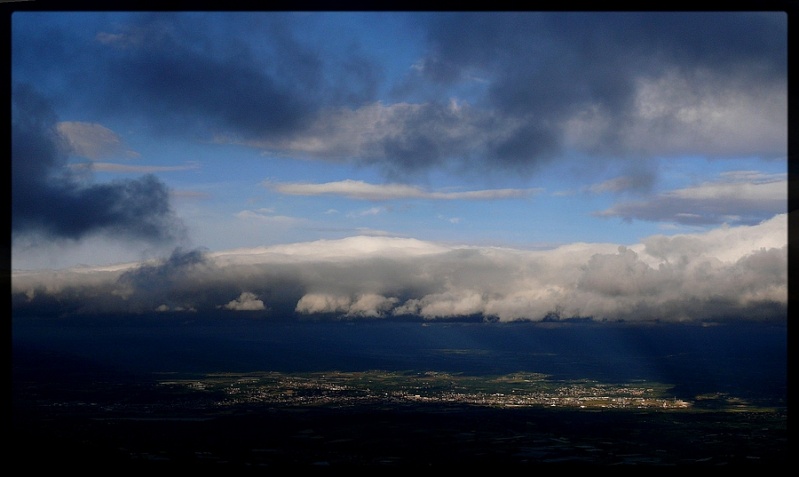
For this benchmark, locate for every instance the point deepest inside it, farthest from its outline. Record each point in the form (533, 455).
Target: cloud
(652, 84)
(140, 169)
(184, 86)
(170, 282)
(333, 250)
(48, 200)
(244, 75)
(367, 212)
(623, 184)
(731, 273)
(92, 140)
(189, 194)
(683, 89)
(401, 138)
(266, 216)
(444, 305)
(740, 197)
(245, 302)
(165, 274)
(362, 190)
(368, 305)
(520, 90)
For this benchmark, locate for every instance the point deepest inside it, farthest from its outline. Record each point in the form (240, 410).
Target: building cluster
(290, 391)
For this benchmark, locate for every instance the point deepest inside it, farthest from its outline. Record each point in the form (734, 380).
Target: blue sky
(148, 136)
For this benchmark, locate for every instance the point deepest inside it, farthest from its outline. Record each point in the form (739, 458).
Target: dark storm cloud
(545, 69)
(46, 199)
(165, 273)
(188, 87)
(522, 89)
(173, 283)
(238, 76)
(546, 60)
(423, 137)
(160, 71)
(529, 87)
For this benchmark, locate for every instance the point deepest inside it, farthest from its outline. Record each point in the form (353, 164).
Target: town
(393, 388)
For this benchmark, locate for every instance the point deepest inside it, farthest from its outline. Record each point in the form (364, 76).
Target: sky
(369, 165)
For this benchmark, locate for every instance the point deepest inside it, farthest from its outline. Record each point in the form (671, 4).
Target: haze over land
(618, 166)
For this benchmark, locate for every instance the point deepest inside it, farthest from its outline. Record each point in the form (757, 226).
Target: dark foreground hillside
(429, 436)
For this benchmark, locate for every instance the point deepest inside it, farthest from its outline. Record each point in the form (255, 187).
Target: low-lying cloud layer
(731, 273)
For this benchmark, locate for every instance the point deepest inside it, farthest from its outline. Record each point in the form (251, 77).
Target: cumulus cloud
(731, 273)
(245, 302)
(369, 305)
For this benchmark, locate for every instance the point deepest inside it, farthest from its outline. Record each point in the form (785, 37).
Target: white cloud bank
(728, 273)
